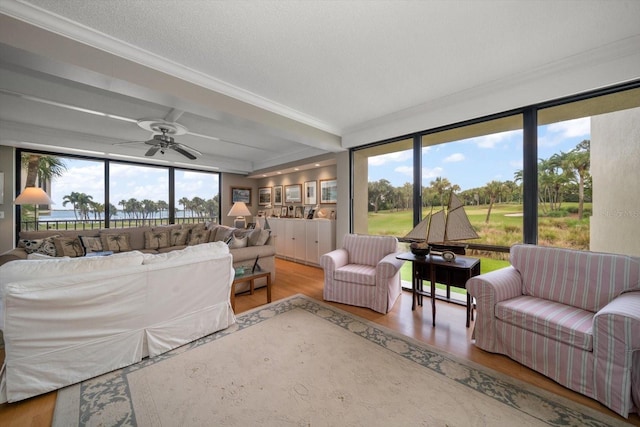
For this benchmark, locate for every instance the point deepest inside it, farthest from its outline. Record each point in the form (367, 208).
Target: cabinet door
(326, 236)
(277, 229)
(311, 241)
(289, 238)
(299, 247)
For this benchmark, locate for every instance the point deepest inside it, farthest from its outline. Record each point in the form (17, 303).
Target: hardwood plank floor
(450, 335)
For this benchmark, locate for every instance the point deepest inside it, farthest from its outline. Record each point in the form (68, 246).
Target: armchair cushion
(356, 273)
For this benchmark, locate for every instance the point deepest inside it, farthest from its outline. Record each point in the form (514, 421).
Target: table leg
(233, 297)
(269, 288)
(433, 295)
(414, 285)
(251, 286)
(468, 308)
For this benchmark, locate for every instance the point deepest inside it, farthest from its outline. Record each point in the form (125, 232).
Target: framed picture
(310, 190)
(277, 195)
(241, 194)
(264, 196)
(328, 191)
(283, 212)
(293, 193)
(299, 212)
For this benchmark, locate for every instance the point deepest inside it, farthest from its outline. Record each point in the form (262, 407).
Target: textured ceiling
(332, 65)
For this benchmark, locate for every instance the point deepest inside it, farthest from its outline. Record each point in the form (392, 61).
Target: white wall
(615, 169)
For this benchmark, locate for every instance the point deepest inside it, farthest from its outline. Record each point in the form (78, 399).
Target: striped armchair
(573, 316)
(364, 272)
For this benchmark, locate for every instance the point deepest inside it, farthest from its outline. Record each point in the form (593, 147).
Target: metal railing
(95, 224)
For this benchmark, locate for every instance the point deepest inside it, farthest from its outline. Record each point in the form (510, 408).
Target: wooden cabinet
(303, 240)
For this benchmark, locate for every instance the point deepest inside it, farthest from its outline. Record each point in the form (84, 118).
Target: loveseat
(69, 319)
(573, 316)
(245, 245)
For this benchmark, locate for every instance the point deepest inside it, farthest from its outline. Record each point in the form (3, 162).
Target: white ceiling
(264, 83)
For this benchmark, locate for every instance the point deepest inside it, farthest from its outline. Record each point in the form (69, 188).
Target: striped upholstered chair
(364, 272)
(571, 315)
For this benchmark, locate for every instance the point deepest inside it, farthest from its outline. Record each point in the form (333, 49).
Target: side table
(434, 268)
(249, 277)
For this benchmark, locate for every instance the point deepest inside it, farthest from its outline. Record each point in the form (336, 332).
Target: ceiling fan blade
(185, 151)
(153, 150)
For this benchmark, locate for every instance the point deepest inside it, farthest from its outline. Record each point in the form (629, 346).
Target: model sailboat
(442, 227)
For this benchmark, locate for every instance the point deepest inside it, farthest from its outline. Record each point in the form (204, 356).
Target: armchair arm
(489, 289)
(388, 266)
(334, 260)
(616, 343)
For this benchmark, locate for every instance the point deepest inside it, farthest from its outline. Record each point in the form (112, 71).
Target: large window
(562, 173)
(98, 193)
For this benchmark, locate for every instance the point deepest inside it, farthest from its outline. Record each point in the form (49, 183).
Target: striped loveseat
(364, 272)
(571, 315)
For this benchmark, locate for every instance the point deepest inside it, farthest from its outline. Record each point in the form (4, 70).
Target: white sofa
(67, 320)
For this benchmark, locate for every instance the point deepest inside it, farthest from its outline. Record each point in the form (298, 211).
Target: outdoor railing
(94, 224)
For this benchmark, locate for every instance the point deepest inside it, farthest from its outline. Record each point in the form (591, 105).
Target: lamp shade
(239, 209)
(33, 196)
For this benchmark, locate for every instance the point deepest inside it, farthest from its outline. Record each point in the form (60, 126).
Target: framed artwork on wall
(283, 212)
(293, 193)
(328, 191)
(277, 195)
(310, 191)
(241, 194)
(264, 196)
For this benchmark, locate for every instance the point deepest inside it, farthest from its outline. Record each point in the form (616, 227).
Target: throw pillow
(238, 242)
(156, 239)
(223, 233)
(262, 237)
(91, 244)
(115, 242)
(68, 246)
(179, 237)
(198, 236)
(43, 246)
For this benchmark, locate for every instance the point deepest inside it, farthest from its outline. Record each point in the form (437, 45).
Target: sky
(469, 163)
(129, 181)
(474, 162)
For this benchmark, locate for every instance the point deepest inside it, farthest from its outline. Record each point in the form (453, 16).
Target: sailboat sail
(441, 227)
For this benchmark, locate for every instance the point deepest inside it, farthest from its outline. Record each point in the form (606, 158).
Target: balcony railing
(94, 224)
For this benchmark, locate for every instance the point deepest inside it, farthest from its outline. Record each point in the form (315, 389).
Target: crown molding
(65, 27)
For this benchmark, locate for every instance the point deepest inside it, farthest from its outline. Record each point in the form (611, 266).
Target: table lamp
(239, 210)
(33, 196)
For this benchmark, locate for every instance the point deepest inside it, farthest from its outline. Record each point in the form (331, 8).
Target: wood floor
(450, 334)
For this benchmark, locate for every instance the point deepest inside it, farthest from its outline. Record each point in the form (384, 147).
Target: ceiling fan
(163, 139)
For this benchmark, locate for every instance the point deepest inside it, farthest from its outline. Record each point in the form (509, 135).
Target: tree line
(84, 207)
(562, 177)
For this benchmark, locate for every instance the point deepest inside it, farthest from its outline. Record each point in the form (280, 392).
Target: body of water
(67, 215)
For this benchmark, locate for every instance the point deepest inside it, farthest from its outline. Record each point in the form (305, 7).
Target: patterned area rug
(301, 362)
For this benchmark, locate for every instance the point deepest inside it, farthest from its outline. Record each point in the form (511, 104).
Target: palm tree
(577, 163)
(73, 199)
(494, 188)
(184, 202)
(441, 185)
(42, 168)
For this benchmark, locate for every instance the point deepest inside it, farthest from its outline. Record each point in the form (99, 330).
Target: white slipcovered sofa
(67, 320)
(571, 315)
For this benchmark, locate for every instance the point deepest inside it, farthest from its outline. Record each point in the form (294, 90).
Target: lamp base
(240, 223)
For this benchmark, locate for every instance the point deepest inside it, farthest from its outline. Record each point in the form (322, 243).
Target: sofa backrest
(583, 279)
(368, 250)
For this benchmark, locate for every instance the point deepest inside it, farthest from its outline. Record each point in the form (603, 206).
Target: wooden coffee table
(250, 277)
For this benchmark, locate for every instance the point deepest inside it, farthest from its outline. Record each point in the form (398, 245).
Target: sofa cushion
(356, 273)
(44, 246)
(238, 242)
(212, 250)
(68, 246)
(588, 280)
(222, 233)
(178, 237)
(198, 236)
(91, 244)
(157, 239)
(561, 322)
(16, 271)
(259, 237)
(116, 242)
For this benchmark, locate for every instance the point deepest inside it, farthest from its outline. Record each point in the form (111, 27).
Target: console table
(435, 269)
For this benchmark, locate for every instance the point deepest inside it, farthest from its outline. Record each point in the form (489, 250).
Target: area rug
(301, 362)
